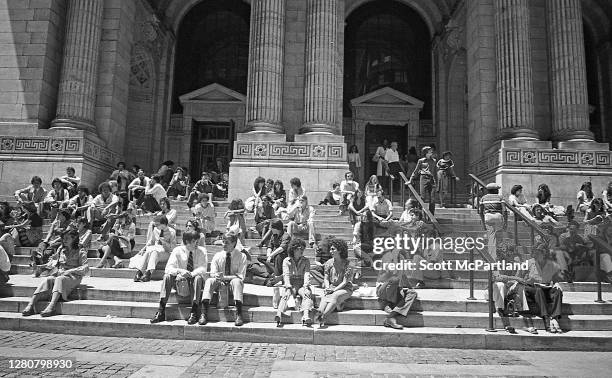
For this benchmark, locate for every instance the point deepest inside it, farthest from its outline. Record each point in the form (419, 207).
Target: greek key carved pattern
(290, 150)
(31, 144)
(334, 151)
(47, 145)
(244, 149)
(602, 159)
(277, 151)
(558, 157)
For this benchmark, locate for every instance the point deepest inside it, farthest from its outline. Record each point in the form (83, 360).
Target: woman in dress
(372, 188)
(584, 197)
(354, 161)
(67, 268)
(517, 199)
(296, 283)
(337, 282)
(279, 196)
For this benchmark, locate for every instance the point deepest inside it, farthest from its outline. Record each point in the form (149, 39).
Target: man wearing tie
(186, 262)
(228, 267)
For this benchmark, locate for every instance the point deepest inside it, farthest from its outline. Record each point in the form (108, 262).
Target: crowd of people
(282, 220)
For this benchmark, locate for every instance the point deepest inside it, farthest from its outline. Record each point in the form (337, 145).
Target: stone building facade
(519, 90)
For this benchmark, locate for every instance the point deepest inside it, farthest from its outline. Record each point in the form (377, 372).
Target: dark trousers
(398, 298)
(544, 301)
(426, 189)
(195, 287)
(150, 204)
(276, 265)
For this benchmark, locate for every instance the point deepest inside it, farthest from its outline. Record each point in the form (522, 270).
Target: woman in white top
(517, 199)
(585, 197)
(354, 161)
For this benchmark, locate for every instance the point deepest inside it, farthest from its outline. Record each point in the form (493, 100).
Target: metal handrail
(600, 245)
(416, 195)
(532, 225)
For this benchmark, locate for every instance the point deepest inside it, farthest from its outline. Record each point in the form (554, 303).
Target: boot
(392, 323)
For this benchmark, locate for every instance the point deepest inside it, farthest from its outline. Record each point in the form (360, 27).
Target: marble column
(568, 80)
(265, 79)
(321, 75)
(514, 72)
(76, 99)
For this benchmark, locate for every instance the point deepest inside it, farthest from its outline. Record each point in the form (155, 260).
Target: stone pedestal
(29, 151)
(318, 160)
(530, 163)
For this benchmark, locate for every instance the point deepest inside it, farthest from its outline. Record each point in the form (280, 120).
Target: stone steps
(472, 338)
(263, 314)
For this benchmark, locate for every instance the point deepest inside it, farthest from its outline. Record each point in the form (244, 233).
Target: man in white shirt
(137, 187)
(228, 268)
(302, 221)
(382, 210)
(101, 205)
(71, 180)
(186, 262)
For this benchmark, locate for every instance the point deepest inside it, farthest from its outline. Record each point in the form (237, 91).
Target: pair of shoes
(554, 326)
(28, 311)
(238, 322)
(117, 265)
(306, 322)
(510, 330)
(392, 323)
(277, 319)
(146, 277)
(160, 316)
(138, 276)
(193, 318)
(47, 312)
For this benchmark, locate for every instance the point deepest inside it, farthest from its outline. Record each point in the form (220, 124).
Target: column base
(72, 124)
(318, 128)
(573, 136)
(47, 153)
(317, 160)
(519, 134)
(264, 127)
(530, 163)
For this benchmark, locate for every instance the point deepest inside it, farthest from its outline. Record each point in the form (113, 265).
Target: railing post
(516, 238)
(597, 268)
(532, 237)
(471, 297)
(491, 327)
(403, 185)
(391, 189)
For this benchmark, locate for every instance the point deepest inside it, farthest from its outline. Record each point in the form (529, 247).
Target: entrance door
(211, 147)
(374, 137)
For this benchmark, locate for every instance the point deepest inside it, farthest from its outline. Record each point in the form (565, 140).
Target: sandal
(510, 330)
(554, 325)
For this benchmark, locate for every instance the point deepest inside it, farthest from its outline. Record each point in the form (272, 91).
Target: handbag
(182, 287)
(376, 158)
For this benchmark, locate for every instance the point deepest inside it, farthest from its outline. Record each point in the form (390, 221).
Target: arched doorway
(210, 74)
(387, 45)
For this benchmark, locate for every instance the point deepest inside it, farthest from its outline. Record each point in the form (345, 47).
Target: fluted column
(514, 72)
(569, 98)
(76, 99)
(320, 81)
(265, 80)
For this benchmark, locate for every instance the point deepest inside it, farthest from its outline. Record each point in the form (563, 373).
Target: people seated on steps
(372, 188)
(153, 195)
(393, 289)
(235, 221)
(62, 275)
(80, 203)
(220, 189)
(5, 265)
(357, 206)
(264, 215)
(577, 256)
(597, 221)
(26, 231)
(56, 199)
(296, 291)
(157, 249)
(227, 272)
(276, 243)
(48, 246)
(543, 199)
(123, 176)
(194, 225)
(33, 193)
(279, 195)
(71, 181)
(382, 209)
(302, 220)
(186, 272)
(333, 197)
(82, 226)
(259, 190)
(203, 185)
(348, 187)
(584, 197)
(120, 242)
(115, 210)
(178, 187)
(294, 194)
(205, 213)
(6, 217)
(536, 291)
(101, 205)
(337, 281)
(136, 189)
(517, 199)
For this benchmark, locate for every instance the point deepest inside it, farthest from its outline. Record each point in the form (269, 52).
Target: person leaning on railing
(494, 216)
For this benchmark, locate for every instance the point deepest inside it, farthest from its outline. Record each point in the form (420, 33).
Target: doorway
(211, 148)
(374, 137)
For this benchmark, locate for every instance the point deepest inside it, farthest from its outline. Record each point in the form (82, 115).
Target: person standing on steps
(446, 176)
(426, 173)
(494, 216)
(186, 267)
(394, 167)
(354, 161)
(379, 159)
(227, 271)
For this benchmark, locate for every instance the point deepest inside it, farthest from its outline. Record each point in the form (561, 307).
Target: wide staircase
(109, 303)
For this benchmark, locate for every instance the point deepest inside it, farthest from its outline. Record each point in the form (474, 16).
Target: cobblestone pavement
(124, 357)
